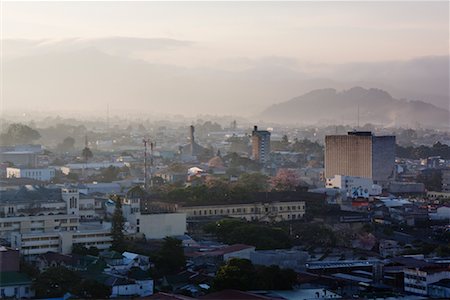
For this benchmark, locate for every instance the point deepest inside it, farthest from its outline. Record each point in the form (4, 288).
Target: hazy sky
(238, 34)
(218, 57)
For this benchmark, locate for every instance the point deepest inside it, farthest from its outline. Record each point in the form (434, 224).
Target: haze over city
(220, 150)
(218, 58)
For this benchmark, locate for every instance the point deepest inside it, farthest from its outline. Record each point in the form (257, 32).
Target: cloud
(265, 61)
(111, 45)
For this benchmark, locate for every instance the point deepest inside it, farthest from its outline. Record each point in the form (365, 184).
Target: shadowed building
(191, 150)
(260, 145)
(360, 154)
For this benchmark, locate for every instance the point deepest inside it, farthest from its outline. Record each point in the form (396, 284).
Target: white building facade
(42, 174)
(356, 187)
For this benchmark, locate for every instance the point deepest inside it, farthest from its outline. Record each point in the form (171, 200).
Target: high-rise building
(360, 154)
(260, 145)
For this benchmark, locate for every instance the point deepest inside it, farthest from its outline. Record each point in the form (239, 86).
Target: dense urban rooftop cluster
(223, 212)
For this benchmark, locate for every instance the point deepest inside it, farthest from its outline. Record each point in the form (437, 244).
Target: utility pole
(145, 163)
(151, 163)
(152, 144)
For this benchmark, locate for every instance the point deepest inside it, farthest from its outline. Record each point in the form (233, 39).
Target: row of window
(41, 238)
(416, 277)
(221, 211)
(417, 287)
(38, 247)
(16, 291)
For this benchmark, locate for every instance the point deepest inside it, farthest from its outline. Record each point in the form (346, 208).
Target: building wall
(438, 195)
(446, 181)
(383, 159)
(140, 287)
(46, 174)
(10, 260)
(349, 155)
(158, 226)
(362, 186)
(293, 259)
(243, 254)
(442, 213)
(416, 280)
(37, 224)
(16, 291)
(260, 145)
(20, 158)
(274, 211)
(61, 242)
(438, 291)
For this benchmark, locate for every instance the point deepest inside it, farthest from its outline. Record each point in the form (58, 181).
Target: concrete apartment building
(33, 244)
(360, 154)
(36, 219)
(260, 145)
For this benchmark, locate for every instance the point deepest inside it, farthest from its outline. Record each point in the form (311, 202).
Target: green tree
(67, 145)
(258, 235)
(110, 174)
(237, 274)
(431, 179)
(82, 250)
(86, 153)
(254, 182)
(170, 258)
(92, 289)
(241, 274)
(117, 226)
(19, 134)
(55, 282)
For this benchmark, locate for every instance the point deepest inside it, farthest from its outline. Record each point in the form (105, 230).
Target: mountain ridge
(374, 105)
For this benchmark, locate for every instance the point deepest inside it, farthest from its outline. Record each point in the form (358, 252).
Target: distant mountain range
(89, 75)
(374, 105)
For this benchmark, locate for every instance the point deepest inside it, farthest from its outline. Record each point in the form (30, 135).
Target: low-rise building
(41, 174)
(418, 274)
(34, 244)
(159, 225)
(256, 211)
(440, 289)
(389, 248)
(438, 195)
(10, 260)
(15, 285)
(441, 213)
(356, 187)
(88, 169)
(26, 159)
(292, 259)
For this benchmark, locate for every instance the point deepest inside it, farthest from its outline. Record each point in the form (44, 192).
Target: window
(137, 220)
